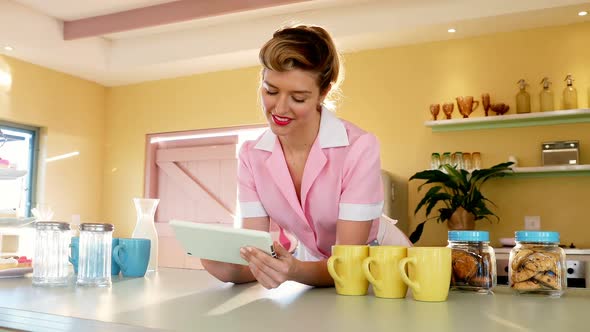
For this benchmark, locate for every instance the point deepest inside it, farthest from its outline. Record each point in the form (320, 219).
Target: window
(18, 151)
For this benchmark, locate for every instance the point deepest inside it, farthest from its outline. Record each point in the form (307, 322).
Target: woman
(314, 175)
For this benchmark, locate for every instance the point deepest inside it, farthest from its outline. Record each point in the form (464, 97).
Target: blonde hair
(304, 47)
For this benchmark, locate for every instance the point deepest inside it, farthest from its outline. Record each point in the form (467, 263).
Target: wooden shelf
(552, 171)
(511, 121)
(10, 174)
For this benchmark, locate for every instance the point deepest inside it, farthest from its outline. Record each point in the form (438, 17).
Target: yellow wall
(70, 112)
(387, 92)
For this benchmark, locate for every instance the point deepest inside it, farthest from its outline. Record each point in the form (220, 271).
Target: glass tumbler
(94, 257)
(458, 160)
(50, 262)
(476, 160)
(446, 158)
(435, 161)
(467, 161)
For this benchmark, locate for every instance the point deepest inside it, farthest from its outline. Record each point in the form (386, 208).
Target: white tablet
(219, 242)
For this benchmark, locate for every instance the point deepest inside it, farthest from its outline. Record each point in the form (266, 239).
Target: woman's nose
(281, 107)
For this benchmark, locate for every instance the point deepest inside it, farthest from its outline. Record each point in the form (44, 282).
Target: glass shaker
(94, 258)
(435, 161)
(50, 262)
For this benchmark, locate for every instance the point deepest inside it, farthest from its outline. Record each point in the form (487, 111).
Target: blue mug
(132, 256)
(74, 252)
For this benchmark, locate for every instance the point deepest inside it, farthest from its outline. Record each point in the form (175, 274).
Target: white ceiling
(34, 29)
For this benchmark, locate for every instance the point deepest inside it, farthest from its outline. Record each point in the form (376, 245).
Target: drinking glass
(476, 160)
(467, 161)
(435, 161)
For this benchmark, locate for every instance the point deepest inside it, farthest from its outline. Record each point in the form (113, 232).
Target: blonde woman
(315, 176)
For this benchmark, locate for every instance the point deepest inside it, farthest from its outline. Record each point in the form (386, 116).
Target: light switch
(532, 223)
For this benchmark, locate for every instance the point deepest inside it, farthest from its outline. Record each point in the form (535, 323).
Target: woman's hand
(228, 272)
(270, 272)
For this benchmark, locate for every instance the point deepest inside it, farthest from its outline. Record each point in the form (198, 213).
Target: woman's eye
(272, 93)
(297, 100)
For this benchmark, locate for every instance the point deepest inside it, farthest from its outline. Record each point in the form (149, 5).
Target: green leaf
(445, 214)
(427, 197)
(435, 199)
(417, 233)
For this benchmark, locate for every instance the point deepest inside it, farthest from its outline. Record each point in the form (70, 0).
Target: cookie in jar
(537, 264)
(473, 261)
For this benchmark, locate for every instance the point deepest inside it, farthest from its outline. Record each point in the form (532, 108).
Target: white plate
(16, 222)
(507, 241)
(15, 272)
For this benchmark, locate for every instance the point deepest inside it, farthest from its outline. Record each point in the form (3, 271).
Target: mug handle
(366, 263)
(402, 270)
(332, 270)
(476, 103)
(70, 259)
(118, 256)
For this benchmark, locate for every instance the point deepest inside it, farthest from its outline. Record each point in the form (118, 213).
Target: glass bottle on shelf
(546, 96)
(570, 95)
(523, 99)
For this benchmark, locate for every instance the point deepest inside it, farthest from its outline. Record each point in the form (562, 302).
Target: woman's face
(291, 100)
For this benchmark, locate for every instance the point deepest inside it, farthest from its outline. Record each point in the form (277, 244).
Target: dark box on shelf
(561, 153)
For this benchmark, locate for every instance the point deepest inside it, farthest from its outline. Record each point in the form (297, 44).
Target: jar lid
(536, 236)
(52, 225)
(473, 236)
(96, 227)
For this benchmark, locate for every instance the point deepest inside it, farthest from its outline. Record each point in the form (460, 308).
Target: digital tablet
(219, 242)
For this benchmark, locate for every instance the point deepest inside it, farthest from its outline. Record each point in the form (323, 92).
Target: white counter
(188, 300)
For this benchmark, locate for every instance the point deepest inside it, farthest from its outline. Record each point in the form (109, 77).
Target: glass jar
(50, 261)
(94, 256)
(537, 264)
(473, 261)
(435, 161)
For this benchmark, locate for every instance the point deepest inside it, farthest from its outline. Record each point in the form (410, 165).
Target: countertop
(191, 300)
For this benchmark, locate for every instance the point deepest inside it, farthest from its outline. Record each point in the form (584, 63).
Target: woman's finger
(272, 267)
(265, 280)
(280, 250)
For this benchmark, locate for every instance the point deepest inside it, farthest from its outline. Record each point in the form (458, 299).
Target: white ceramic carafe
(145, 227)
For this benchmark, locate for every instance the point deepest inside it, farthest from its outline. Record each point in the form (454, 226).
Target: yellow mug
(381, 270)
(345, 267)
(429, 272)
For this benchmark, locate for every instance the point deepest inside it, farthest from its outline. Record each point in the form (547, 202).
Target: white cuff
(360, 212)
(252, 210)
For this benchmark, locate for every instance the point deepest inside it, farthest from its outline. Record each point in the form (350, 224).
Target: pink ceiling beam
(166, 13)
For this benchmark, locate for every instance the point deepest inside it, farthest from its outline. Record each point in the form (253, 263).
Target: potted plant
(460, 191)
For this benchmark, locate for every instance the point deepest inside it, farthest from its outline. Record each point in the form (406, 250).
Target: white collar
(332, 133)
